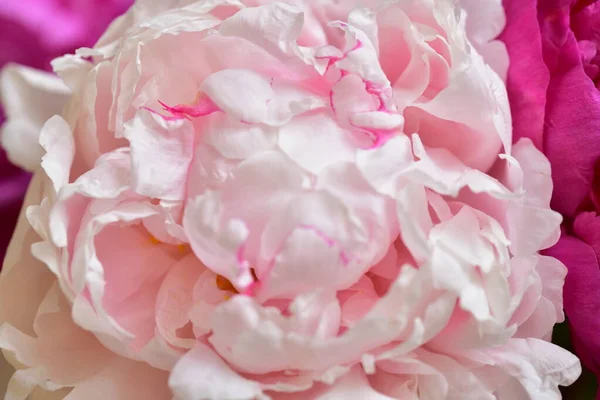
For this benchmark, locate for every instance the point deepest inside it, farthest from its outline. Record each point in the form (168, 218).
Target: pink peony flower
(33, 32)
(285, 200)
(554, 83)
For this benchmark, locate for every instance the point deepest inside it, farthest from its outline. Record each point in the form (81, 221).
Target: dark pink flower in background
(33, 32)
(553, 84)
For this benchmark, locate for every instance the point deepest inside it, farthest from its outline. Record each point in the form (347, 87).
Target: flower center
(225, 284)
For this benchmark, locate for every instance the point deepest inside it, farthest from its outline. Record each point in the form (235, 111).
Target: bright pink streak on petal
(328, 241)
(381, 137)
(203, 106)
(166, 118)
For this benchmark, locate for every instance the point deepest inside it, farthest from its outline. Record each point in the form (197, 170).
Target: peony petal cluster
(32, 33)
(286, 200)
(555, 94)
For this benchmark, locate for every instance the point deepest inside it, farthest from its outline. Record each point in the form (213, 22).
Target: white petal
(203, 375)
(238, 140)
(243, 94)
(316, 141)
(161, 152)
(29, 98)
(274, 27)
(383, 165)
(57, 139)
(353, 384)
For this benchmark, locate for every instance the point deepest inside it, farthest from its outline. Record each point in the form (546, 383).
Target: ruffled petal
(582, 286)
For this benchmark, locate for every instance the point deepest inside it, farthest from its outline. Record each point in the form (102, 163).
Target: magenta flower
(32, 33)
(553, 83)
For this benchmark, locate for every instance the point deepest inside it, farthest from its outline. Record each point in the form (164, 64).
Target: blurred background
(32, 33)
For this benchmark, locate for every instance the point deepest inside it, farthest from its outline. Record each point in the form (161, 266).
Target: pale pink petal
(163, 176)
(441, 171)
(217, 241)
(123, 308)
(290, 101)
(485, 22)
(354, 383)
(91, 132)
(306, 261)
(487, 132)
(110, 177)
(236, 139)
(302, 220)
(532, 224)
(537, 366)
(241, 93)
(174, 301)
(345, 180)
(208, 170)
(274, 27)
(387, 267)
(461, 382)
(383, 165)
(349, 96)
(245, 196)
(254, 339)
(361, 53)
(546, 300)
(414, 219)
(304, 138)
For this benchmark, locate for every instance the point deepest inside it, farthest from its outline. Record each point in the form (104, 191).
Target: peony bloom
(554, 86)
(303, 200)
(33, 32)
